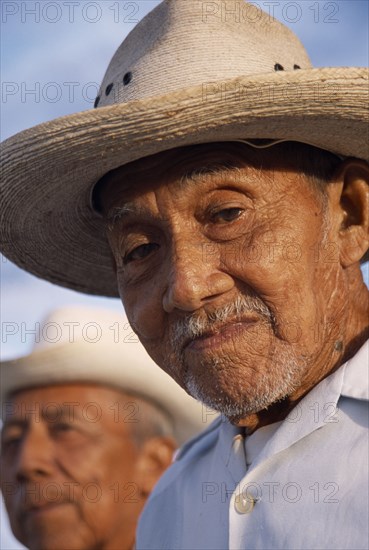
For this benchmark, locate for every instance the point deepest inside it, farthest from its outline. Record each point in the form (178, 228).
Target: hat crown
(75, 324)
(87, 345)
(184, 43)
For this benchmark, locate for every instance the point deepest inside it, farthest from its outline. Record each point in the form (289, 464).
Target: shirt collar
(350, 380)
(356, 375)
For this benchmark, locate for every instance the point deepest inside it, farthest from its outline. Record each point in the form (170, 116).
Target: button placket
(243, 503)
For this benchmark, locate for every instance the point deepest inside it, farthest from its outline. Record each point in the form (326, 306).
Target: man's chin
(54, 542)
(54, 537)
(234, 408)
(243, 388)
(237, 404)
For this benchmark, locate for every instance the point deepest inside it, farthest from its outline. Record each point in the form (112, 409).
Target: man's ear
(352, 208)
(155, 456)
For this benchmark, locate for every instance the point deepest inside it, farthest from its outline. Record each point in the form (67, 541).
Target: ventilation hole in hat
(296, 67)
(109, 89)
(127, 78)
(97, 101)
(278, 67)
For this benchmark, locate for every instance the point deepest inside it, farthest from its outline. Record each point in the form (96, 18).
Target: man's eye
(226, 215)
(10, 442)
(62, 427)
(67, 432)
(11, 437)
(140, 252)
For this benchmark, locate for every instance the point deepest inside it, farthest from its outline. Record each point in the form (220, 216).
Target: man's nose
(194, 278)
(34, 457)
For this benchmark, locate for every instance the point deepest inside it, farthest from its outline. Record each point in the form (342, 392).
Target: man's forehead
(180, 165)
(180, 161)
(186, 158)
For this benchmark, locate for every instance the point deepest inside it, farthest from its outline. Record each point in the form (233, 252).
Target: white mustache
(196, 325)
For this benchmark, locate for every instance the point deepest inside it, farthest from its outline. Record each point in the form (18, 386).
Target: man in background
(89, 425)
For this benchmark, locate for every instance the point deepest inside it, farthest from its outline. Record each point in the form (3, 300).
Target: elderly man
(89, 426)
(231, 181)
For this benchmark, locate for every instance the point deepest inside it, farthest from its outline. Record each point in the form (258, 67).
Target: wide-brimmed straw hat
(190, 72)
(95, 346)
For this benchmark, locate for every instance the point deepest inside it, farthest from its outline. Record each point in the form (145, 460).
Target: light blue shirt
(306, 488)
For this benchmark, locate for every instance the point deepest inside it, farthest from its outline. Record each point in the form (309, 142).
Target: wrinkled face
(228, 276)
(67, 469)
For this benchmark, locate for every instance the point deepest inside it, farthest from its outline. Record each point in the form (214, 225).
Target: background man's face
(228, 277)
(68, 469)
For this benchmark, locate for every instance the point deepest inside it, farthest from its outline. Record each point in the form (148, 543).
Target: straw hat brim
(47, 224)
(101, 364)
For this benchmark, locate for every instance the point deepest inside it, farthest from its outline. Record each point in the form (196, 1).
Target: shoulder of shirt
(200, 442)
(191, 451)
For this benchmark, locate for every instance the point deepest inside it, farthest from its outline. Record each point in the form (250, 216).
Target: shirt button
(244, 505)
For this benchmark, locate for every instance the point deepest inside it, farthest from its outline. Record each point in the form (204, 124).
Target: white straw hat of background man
(163, 90)
(98, 346)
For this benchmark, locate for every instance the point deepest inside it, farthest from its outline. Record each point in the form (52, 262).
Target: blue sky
(53, 57)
